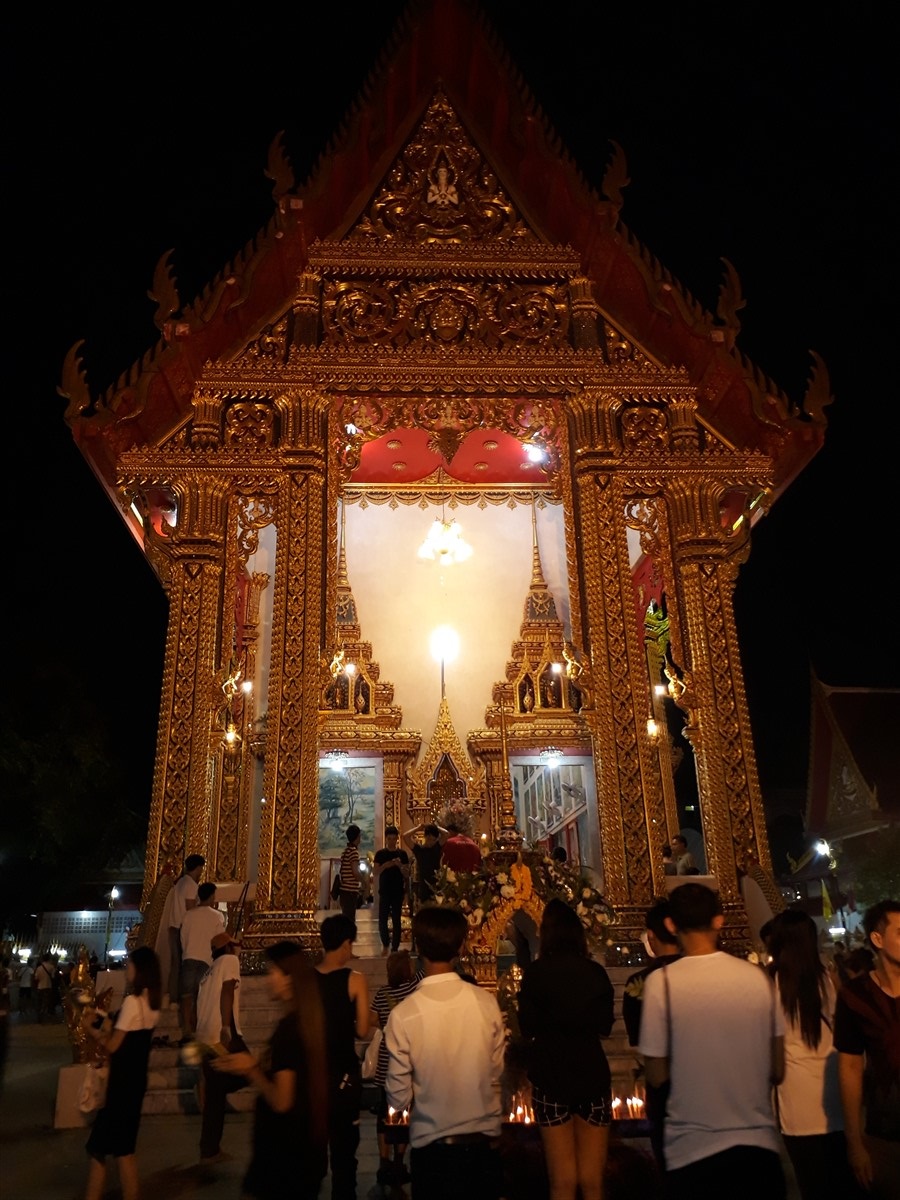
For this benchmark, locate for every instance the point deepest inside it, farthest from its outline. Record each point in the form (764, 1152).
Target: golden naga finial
(615, 178)
(731, 301)
(73, 384)
(279, 168)
(164, 291)
(818, 391)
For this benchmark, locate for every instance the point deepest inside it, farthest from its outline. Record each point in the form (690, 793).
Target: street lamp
(113, 897)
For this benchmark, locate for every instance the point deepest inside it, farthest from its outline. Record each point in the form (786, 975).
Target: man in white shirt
(199, 927)
(182, 898)
(711, 1026)
(219, 1024)
(446, 1047)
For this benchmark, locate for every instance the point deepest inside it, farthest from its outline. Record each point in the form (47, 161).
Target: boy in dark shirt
(392, 872)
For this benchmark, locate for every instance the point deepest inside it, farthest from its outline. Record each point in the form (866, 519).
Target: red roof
(448, 43)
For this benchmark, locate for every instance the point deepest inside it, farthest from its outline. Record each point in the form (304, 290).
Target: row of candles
(631, 1109)
(521, 1112)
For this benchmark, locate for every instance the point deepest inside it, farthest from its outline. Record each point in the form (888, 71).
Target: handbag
(370, 1061)
(336, 887)
(92, 1096)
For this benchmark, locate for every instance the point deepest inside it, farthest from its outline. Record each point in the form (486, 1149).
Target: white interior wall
(401, 599)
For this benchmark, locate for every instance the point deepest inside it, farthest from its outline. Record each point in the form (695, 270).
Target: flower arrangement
(459, 814)
(481, 896)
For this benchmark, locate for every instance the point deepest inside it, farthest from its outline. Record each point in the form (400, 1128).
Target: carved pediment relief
(441, 189)
(446, 773)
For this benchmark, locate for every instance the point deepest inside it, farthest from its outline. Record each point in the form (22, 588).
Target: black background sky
(765, 134)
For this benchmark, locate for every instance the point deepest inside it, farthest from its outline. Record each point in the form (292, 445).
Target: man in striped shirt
(351, 879)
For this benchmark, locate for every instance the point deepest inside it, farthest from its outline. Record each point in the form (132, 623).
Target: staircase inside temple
(172, 1085)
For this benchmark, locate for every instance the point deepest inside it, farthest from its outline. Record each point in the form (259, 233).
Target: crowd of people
(741, 1061)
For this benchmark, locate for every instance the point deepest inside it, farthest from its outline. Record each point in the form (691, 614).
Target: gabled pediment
(441, 188)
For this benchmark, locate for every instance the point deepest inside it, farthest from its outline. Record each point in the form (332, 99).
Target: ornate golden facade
(443, 282)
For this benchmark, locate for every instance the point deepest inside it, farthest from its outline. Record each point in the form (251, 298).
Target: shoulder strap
(668, 1016)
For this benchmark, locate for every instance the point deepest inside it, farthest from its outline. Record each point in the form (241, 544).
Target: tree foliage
(65, 815)
(873, 864)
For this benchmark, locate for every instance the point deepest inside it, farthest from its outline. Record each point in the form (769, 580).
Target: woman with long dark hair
(127, 1043)
(565, 1008)
(290, 1130)
(808, 1098)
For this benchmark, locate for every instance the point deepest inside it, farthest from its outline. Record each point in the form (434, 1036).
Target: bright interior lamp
(444, 644)
(445, 543)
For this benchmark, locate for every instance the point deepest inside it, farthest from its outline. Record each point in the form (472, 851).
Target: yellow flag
(827, 906)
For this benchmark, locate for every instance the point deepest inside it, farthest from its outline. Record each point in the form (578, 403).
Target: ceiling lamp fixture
(336, 759)
(552, 756)
(445, 542)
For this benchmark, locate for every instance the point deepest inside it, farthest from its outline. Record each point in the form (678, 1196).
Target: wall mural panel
(347, 797)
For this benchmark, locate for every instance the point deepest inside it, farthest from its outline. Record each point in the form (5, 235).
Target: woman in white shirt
(808, 1102)
(128, 1045)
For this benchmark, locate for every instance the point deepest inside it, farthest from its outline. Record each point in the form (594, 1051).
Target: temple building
(448, 483)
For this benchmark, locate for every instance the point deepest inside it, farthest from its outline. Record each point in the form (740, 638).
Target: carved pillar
(194, 556)
(632, 814)
(706, 561)
(288, 875)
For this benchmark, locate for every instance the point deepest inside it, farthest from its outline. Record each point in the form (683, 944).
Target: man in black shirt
(392, 872)
(428, 857)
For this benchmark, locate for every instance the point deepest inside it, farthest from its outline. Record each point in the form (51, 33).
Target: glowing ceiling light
(445, 543)
(444, 644)
(552, 756)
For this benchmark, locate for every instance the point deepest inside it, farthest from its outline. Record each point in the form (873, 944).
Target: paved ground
(38, 1162)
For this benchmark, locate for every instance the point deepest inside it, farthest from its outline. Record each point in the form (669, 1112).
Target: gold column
(288, 875)
(194, 556)
(707, 560)
(629, 791)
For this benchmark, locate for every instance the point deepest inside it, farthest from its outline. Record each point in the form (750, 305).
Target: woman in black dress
(290, 1131)
(115, 1128)
(565, 1008)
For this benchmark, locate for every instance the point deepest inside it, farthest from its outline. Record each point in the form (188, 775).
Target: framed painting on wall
(347, 797)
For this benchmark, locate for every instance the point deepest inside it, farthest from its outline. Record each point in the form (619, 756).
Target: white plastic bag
(92, 1096)
(370, 1062)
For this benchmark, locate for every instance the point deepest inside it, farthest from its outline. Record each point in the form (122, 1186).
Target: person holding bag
(402, 981)
(115, 1128)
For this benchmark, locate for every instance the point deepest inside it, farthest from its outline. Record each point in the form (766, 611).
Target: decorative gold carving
(818, 391)
(398, 313)
(73, 384)
(279, 169)
(164, 291)
(445, 772)
(439, 489)
(441, 189)
(615, 178)
(449, 420)
(620, 350)
(644, 430)
(250, 424)
(730, 303)
(255, 513)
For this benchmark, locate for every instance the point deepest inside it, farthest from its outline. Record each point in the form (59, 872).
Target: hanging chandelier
(445, 543)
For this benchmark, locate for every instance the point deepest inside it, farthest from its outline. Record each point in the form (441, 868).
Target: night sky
(762, 134)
